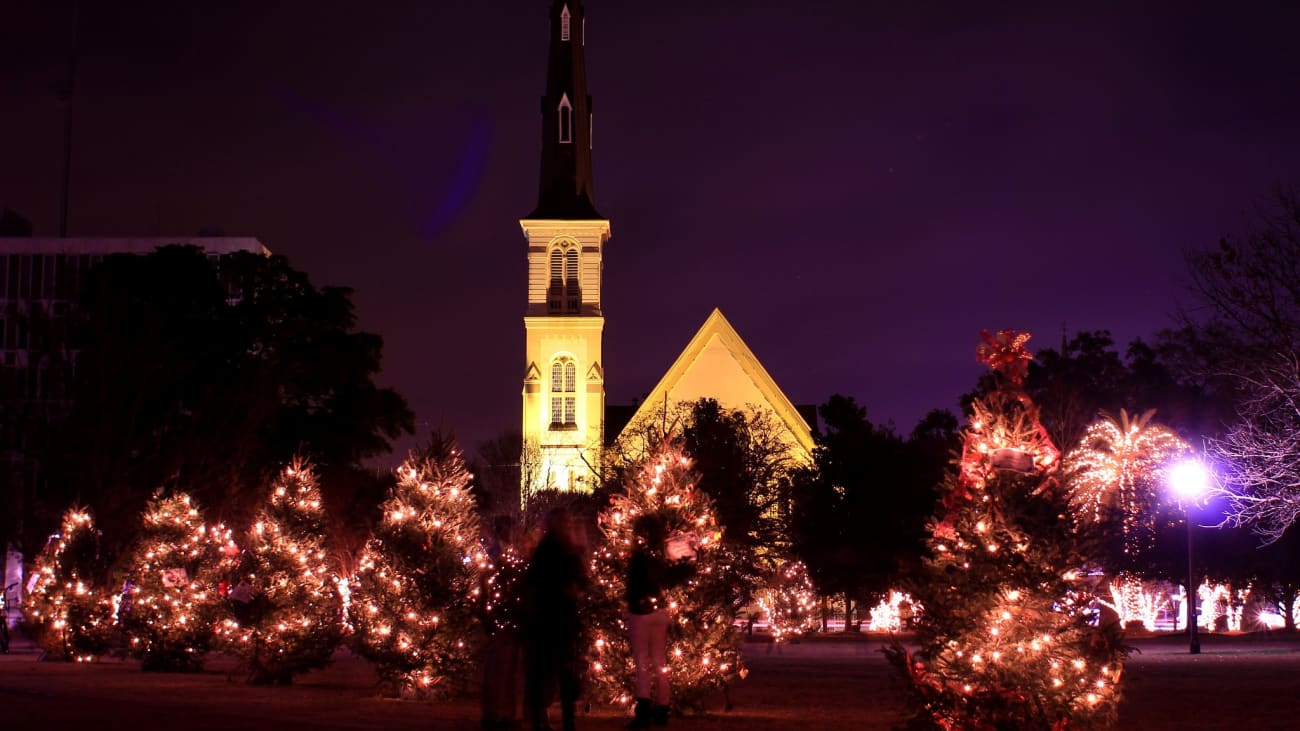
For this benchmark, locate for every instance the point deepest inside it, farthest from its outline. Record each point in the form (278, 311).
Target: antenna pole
(67, 93)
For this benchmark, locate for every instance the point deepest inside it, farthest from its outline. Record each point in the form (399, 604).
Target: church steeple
(564, 379)
(566, 190)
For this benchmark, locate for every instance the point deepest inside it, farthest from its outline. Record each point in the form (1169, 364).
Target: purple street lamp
(1190, 481)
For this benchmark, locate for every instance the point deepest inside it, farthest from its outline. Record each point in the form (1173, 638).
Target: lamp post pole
(1195, 646)
(1189, 480)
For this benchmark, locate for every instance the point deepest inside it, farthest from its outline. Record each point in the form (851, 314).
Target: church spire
(566, 190)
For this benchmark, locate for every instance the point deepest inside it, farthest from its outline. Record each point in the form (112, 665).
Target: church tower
(564, 382)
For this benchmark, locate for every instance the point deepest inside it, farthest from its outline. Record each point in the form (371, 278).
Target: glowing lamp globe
(1189, 479)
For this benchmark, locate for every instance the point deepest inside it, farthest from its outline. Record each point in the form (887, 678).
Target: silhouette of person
(649, 573)
(553, 584)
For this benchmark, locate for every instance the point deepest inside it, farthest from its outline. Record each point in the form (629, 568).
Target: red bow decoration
(1005, 353)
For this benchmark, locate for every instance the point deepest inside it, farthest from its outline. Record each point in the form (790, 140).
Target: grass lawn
(1236, 683)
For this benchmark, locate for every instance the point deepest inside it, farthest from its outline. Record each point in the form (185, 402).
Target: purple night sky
(860, 186)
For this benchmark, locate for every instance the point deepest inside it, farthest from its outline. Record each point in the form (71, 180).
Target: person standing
(553, 584)
(649, 574)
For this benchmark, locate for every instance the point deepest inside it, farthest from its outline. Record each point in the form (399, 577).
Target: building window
(564, 393)
(565, 292)
(566, 120)
(564, 23)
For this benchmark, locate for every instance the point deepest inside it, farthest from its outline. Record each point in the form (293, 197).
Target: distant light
(1190, 479)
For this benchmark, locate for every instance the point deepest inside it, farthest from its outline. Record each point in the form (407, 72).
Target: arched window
(565, 290)
(566, 120)
(564, 393)
(564, 23)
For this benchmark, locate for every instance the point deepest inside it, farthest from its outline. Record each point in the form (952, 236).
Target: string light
(286, 611)
(789, 602)
(71, 615)
(1004, 639)
(421, 583)
(169, 605)
(703, 649)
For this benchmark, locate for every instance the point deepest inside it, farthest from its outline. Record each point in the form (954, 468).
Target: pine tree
(71, 614)
(419, 586)
(171, 603)
(789, 601)
(703, 648)
(1004, 642)
(288, 617)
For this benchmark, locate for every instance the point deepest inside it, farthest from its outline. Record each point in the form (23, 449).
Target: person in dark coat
(649, 574)
(554, 583)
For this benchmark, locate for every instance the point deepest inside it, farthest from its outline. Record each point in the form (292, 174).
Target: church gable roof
(718, 364)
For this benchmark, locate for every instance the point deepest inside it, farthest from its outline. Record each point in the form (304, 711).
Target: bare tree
(1246, 336)
(1262, 449)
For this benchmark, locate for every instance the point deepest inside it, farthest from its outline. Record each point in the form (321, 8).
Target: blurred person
(553, 584)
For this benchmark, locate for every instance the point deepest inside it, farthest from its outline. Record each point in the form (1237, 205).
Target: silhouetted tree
(859, 514)
(496, 470)
(210, 373)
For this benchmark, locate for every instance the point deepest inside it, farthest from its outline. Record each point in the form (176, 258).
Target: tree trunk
(848, 612)
(1288, 601)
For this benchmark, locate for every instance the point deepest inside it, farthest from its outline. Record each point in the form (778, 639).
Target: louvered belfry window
(564, 295)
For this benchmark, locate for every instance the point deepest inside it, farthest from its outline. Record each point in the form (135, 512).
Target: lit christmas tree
(703, 649)
(420, 581)
(1004, 640)
(789, 601)
(71, 615)
(171, 603)
(287, 610)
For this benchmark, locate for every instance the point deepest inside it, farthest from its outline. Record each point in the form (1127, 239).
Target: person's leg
(638, 640)
(657, 649)
(568, 679)
(538, 669)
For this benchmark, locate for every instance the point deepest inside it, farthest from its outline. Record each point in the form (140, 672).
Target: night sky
(859, 186)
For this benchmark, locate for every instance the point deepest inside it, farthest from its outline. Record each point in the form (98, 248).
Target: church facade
(564, 379)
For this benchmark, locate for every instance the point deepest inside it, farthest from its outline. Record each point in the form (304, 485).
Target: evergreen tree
(703, 648)
(171, 603)
(288, 613)
(789, 601)
(1004, 642)
(420, 582)
(71, 614)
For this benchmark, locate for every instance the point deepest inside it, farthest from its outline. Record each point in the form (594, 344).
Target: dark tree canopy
(859, 514)
(208, 374)
(746, 466)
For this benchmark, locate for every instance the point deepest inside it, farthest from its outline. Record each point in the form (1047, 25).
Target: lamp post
(1190, 480)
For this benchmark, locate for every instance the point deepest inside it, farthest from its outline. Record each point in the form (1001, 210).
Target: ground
(1244, 682)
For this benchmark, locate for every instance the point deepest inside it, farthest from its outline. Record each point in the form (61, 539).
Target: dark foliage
(208, 373)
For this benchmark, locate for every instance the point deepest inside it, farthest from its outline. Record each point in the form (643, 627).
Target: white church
(564, 411)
